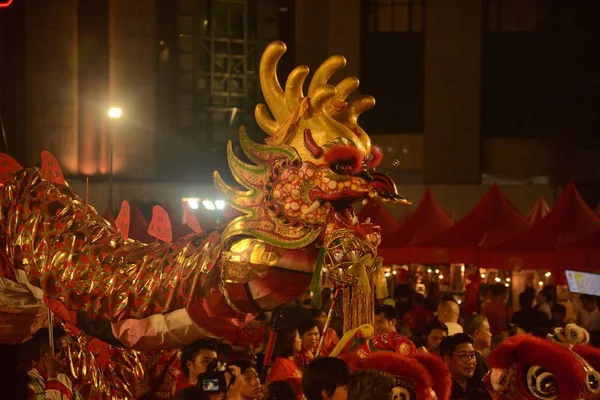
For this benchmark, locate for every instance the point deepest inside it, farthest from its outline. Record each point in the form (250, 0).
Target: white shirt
(453, 328)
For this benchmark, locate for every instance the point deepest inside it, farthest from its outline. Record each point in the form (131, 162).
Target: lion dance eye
(541, 383)
(592, 382)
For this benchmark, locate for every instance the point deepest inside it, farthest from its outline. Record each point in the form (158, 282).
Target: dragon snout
(385, 189)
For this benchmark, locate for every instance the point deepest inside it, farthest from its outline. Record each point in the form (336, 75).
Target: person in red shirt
(496, 310)
(418, 316)
(330, 339)
(285, 368)
(385, 319)
(249, 340)
(310, 335)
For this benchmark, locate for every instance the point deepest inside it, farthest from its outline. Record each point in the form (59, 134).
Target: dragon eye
(541, 383)
(343, 169)
(344, 159)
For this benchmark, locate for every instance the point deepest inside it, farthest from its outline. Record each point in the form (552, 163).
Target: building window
(219, 48)
(387, 16)
(513, 15)
(393, 65)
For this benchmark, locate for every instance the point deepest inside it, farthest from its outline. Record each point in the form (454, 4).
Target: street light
(113, 114)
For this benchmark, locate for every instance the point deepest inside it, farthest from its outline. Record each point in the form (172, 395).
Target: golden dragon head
(317, 160)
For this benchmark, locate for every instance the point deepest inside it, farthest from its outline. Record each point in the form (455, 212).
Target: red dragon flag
(123, 219)
(51, 169)
(8, 167)
(190, 218)
(160, 225)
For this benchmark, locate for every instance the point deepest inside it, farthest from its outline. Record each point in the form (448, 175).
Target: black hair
(549, 292)
(41, 342)
(435, 324)
(498, 289)
(280, 390)
(388, 311)
(306, 325)
(284, 344)
(474, 323)
(324, 374)
(191, 350)
(367, 384)
(43, 335)
(583, 297)
(448, 344)
(448, 297)
(244, 365)
(224, 349)
(526, 299)
(420, 299)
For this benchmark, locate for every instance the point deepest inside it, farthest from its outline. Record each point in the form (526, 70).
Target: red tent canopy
(539, 210)
(491, 222)
(569, 221)
(379, 215)
(138, 226)
(427, 220)
(583, 254)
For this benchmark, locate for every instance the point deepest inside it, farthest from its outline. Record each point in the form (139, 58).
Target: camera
(214, 380)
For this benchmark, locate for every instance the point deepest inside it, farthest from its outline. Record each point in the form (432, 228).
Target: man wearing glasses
(459, 355)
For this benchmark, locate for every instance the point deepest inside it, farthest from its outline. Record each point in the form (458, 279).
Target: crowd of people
(211, 369)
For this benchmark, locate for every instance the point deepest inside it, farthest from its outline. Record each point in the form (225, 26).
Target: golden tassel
(358, 307)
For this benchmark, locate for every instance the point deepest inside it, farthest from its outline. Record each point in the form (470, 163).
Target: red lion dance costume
(562, 367)
(418, 376)
(57, 252)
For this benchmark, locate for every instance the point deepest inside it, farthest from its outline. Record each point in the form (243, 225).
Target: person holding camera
(218, 382)
(221, 381)
(195, 358)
